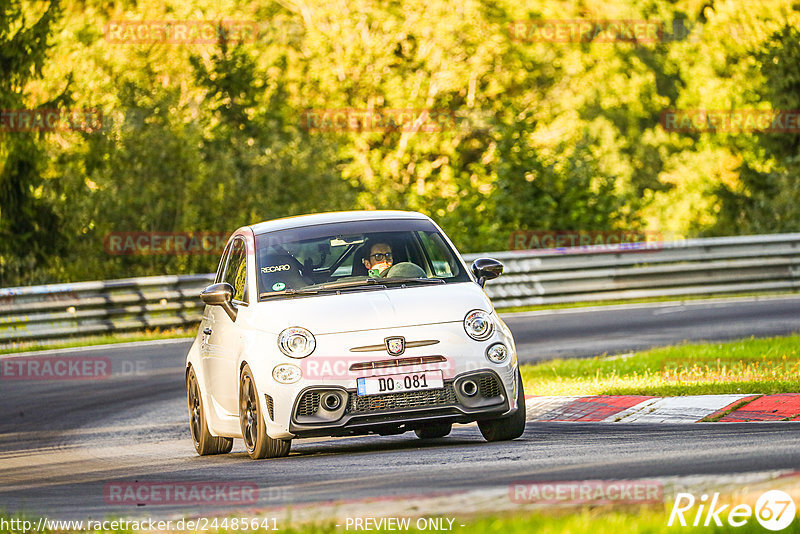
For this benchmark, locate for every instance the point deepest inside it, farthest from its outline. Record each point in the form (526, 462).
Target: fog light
(497, 353)
(287, 373)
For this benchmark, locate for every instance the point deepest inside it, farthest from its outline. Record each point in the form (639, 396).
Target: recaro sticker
(275, 268)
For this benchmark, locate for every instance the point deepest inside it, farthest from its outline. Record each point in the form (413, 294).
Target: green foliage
(768, 200)
(28, 224)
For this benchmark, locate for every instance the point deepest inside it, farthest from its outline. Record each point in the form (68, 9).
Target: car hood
(371, 309)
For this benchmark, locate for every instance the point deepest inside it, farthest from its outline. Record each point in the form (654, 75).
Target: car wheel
(204, 442)
(436, 430)
(510, 427)
(254, 429)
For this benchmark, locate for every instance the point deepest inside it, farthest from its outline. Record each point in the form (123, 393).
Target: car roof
(332, 218)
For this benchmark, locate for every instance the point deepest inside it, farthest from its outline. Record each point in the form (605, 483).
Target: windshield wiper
(366, 281)
(350, 284)
(394, 280)
(289, 292)
(331, 286)
(379, 282)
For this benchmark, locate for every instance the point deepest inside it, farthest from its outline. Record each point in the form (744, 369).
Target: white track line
(131, 344)
(653, 305)
(688, 409)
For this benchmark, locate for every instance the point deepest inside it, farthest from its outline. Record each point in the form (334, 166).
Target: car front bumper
(332, 367)
(398, 412)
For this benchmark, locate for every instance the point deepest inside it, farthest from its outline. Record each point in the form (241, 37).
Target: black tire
(433, 431)
(507, 428)
(254, 430)
(204, 442)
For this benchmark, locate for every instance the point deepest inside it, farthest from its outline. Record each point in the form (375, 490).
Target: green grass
(767, 366)
(599, 521)
(596, 520)
(674, 298)
(87, 341)
(602, 520)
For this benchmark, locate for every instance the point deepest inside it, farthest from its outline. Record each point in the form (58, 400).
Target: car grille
(398, 401)
(309, 404)
(489, 386)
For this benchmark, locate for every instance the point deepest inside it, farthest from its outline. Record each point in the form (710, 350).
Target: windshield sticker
(275, 268)
(278, 286)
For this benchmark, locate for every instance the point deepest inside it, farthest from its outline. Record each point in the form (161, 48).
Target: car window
(322, 257)
(442, 262)
(312, 256)
(236, 270)
(222, 263)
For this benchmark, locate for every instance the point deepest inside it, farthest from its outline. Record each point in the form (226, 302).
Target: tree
(29, 227)
(767, 200)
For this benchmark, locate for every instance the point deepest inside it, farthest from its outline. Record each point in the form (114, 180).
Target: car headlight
(286, 373)
(479, 325)
(497, 353)
(296, 342)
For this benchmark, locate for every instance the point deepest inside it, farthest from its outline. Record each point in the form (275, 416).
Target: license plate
(380, 385)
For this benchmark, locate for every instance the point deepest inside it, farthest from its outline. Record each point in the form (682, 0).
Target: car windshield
(354, 256)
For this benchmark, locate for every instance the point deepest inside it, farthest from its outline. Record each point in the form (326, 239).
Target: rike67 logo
(774, 510)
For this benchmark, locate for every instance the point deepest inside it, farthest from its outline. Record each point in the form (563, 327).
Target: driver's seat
(283, 272)
(358, 265)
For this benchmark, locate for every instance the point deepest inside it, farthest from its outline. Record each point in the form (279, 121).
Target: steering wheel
(404, 269)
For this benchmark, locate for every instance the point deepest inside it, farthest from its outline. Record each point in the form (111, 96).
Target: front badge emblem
(395, 345)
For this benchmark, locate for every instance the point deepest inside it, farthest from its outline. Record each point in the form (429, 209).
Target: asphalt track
(63, 442)
(586, 332)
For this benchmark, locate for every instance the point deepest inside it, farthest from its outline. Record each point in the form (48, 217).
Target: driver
(378, 258)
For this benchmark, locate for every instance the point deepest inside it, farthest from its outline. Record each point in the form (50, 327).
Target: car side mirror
(220, 295)
(486, 269)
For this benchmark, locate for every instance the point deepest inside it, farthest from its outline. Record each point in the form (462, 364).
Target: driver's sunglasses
(380, 256)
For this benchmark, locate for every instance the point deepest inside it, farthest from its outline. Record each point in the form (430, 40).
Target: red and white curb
(645, 409)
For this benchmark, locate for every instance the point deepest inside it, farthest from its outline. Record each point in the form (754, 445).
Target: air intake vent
(397, 362)
(489, 386)
(399, 401)
(270, 407)
(309, 404)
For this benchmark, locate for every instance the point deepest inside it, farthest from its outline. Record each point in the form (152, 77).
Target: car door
(224, 338)
(207, 323)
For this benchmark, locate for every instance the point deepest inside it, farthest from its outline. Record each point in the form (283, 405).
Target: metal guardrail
(551, 276)
(751, 264)
(86, 308)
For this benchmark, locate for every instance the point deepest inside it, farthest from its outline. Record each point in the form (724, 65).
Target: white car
(348, 323)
